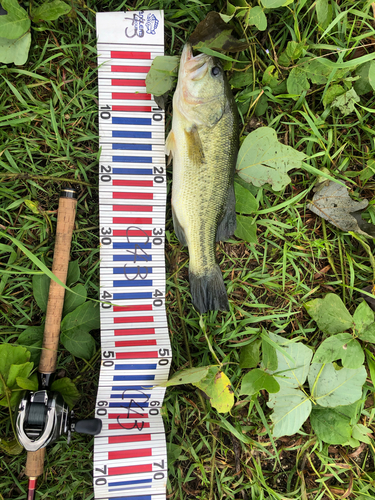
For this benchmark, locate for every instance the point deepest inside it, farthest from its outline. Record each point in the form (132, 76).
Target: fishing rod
(43, 416)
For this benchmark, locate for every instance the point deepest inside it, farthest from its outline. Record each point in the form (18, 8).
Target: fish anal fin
(170, 146)
(228, 224)
(178, 229)
(194, 144)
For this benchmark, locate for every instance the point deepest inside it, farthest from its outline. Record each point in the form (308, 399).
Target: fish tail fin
(208, 291)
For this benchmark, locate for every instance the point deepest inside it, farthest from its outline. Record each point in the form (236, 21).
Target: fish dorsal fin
(194, 144)
(170, 146)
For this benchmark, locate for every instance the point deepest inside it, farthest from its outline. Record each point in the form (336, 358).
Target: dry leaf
(332, 202)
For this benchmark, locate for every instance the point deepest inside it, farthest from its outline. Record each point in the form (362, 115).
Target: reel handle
(64, 231)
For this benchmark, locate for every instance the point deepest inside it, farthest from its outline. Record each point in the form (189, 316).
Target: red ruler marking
(131, 220)
(126, 232)
(137, 96)
(133, 196)
(126, 416)
(123, 182)
(130, 69)
(132, 208)
(136, 355)
(131, 469)
(134, 319)
(129, 439)
(131, 108)
(134, 343)
(115, 455)
(121, 54)
(129, 83)
(135, 331)
(145, 425)
(138, 307)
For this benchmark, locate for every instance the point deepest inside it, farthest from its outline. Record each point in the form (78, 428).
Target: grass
(49, 137)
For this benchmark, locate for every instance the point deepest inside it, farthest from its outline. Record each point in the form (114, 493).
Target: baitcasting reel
(43, 417)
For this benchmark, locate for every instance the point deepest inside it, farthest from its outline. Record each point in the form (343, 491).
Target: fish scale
(130, 460)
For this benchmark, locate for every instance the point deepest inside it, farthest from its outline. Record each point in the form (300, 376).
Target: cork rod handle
(35, 463)
(64, 231)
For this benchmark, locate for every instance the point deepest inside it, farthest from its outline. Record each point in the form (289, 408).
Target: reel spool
(43, 417)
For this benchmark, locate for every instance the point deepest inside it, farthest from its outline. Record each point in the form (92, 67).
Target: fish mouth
(194, 67)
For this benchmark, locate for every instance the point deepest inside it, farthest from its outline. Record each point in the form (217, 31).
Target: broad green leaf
(74, 273)
(246, 229)
(11, 354)
(371, 365)
(368, 335)
(79, 343)
(269, 357)
(331, 425)
(257, 380)
(330, 314)
(74, 300)
(341, 346)
(242, 79)
(269, 77)
(366, 82)
(28, 384)
(32, 338)
(336, 387)
(297, 82)
(67, 389)
(211, 381)
(173, 453)
(75, 328)
(49, 11)
(214, 33)
(363, 317)
(189, 376)
(84, 318)
(292, 373)
(261, 105)
(273, 4)
(361, 432)
(218, 388)
(291, 407)
(41, 284)
(257, 18)
(262, 159)
(162, 75)
(15, 371)
(323, 13)
(331, 94)
(245, 201)
(15, 50)
(249, 355)
(368, 171)
(12, 447)
(292, 52)
(16, 22)
(346, 102)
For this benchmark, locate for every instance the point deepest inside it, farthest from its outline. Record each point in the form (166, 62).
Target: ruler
(130, 460)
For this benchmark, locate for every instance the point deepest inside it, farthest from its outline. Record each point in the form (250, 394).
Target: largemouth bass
(204, 145)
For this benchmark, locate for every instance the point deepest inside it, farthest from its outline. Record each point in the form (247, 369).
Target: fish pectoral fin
(228, 223)
(194, 144)
(178, 229)
(170, 146)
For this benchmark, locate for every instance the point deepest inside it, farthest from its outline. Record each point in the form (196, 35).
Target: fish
(203, 143)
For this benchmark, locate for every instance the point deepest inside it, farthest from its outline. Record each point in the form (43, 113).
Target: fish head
(201, 93)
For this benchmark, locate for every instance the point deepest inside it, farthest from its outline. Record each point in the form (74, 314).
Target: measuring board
(130, 459)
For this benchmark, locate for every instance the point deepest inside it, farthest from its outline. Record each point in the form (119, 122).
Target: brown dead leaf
(322, 272)
(332, 202)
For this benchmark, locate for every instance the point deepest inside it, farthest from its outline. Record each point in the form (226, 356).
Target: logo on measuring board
(138, 25)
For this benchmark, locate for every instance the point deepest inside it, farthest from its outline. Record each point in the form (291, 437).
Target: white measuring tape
(130, 459)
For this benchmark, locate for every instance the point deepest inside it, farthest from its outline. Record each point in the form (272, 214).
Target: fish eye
(215, 71)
